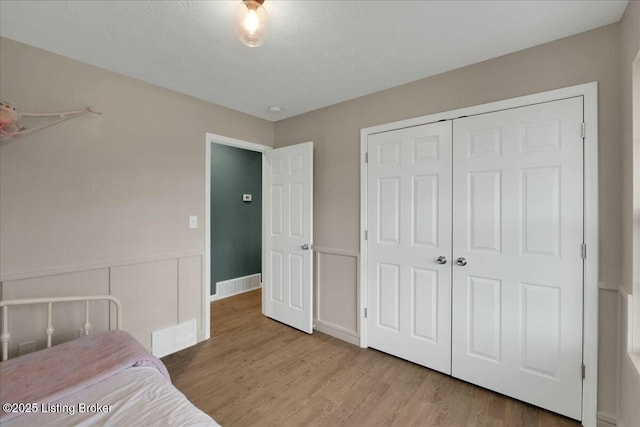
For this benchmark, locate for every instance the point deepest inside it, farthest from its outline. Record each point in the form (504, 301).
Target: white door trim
(590, 327)
(211, 138)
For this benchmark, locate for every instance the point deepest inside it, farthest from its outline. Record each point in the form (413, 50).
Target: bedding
(138, 396)
(106, 379)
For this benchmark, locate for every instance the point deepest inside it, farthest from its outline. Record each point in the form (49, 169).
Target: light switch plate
(246, 197)
(193, 221)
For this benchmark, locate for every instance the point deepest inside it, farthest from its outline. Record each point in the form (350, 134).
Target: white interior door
(518, 224)
(409, 228)
(288, 236)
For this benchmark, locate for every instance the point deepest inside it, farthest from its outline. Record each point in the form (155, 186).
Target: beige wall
(110, 195)
(630, 45)
(335, 131)
(629, 377)
(109, 191)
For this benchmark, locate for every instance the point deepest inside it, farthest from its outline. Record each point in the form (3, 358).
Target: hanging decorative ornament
(251, 22)
(9, 117)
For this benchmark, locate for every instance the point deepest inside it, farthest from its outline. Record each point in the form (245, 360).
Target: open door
(288, 235)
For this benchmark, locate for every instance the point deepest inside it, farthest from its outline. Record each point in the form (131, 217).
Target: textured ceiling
(318, 53)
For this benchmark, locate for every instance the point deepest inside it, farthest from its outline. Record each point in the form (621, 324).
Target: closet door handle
(441, 260)
(461, 262)
(304, 247)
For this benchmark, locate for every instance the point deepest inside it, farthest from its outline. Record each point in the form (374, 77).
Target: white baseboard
(239, 285)
(605, 286)
(336, 332)
(606, 420)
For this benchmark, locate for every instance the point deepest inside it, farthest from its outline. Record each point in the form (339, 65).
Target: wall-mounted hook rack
(61, 117)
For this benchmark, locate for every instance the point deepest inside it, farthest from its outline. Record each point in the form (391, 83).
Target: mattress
(138, 396)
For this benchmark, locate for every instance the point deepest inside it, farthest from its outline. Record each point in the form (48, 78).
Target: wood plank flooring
(257, 372)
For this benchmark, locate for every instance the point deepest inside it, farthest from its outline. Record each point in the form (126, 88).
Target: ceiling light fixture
(251, 22)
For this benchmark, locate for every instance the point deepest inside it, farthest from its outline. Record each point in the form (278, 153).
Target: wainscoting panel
(190, 290)
(628, 408)
(336, 279)
(156, 293)
(29, 323)
(607, 354)
(148, 293)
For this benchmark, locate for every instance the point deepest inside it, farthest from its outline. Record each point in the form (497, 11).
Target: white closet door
(409, 227)
(518, 223)
(287, 289)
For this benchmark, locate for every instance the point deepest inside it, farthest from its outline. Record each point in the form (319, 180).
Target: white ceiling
(318, 53)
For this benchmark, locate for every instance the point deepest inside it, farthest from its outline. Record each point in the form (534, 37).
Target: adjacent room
(358, 213)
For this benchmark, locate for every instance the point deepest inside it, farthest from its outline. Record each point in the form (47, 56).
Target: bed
(103, 378)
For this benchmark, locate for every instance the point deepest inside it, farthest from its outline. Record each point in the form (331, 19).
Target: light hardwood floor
(257, 372)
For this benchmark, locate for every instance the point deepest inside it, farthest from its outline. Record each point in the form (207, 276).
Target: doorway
(236, 220)
(287, 231)
(223, 141)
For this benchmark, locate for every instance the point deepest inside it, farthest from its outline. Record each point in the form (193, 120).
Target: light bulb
(250, 22)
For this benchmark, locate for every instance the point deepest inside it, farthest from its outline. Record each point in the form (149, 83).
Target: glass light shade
(250, 23)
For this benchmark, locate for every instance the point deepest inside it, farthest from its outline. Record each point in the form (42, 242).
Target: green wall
(236, 226)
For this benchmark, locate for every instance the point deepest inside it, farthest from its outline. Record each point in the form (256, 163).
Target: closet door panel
(409, 226)
(518, 224)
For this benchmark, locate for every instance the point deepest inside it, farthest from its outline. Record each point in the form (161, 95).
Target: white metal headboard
(86, 328)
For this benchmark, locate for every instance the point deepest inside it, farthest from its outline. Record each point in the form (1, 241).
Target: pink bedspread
(49, 375)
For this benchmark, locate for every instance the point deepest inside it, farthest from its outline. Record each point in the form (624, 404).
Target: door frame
(211, 138)
(589, 92)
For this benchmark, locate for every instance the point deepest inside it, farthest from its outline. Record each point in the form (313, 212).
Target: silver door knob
(441, 260)
(305, 247)
(461, 262)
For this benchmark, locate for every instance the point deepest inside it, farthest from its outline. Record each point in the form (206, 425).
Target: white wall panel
(189, 290)
(335, 275)
(152, 285)
(607, 352)
(165, 287)
(28, 323)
